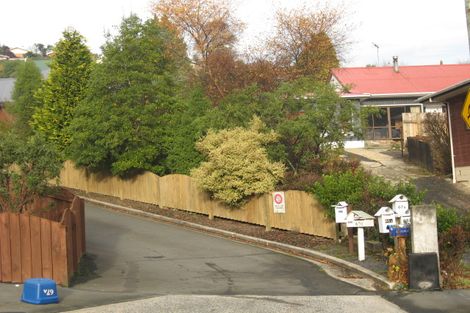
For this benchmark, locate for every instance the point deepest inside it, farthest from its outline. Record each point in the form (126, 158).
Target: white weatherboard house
(19, 52)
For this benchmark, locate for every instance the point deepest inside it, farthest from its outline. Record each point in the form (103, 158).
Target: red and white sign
(279, 202)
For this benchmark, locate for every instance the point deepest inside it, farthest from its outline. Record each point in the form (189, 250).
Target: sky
(417, 31)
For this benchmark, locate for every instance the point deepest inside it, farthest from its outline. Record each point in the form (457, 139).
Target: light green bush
(237, 163)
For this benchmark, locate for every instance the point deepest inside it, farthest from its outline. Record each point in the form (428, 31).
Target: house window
(386, 123)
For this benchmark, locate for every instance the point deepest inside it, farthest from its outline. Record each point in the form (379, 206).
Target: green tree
(28, 81)
(310, 118)
(27, 166)
(122, 123)
(64, 88)
(317, 123)
(237, 163)
(186, 125)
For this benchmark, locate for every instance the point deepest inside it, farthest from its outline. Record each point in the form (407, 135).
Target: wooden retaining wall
(38, 247)
(303, 212)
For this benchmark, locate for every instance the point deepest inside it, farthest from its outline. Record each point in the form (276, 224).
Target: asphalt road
(136, 255)
(132, 258)
(138, 265)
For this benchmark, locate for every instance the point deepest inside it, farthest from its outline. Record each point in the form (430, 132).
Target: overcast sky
(418, 31)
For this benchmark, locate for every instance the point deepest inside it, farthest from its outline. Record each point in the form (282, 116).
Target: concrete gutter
(257, 241)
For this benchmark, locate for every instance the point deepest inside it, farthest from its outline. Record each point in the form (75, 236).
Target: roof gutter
(384, 95)
(438, 95)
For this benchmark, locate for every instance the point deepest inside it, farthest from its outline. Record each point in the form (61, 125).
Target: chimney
(395, 65)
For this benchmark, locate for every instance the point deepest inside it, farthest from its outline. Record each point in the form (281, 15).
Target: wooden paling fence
(37, 247)
(413, 125)
(303, 212)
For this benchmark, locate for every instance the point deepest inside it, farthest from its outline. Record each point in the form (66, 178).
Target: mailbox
(400, 204)
(405, 218)
(341, 212)
(386, 218)
(359, 219)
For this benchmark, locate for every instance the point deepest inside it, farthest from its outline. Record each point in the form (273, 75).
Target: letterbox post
(350, 235)
(341, 212)
(359, 220)
(360, 244)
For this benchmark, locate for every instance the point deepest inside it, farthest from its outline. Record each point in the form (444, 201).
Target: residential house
(393, 90)
(457, 101)
(19, 52)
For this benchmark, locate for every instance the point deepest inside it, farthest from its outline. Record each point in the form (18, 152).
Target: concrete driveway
(132, 258)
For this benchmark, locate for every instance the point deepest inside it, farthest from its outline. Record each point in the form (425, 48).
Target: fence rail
(34, 246)
(303, 212)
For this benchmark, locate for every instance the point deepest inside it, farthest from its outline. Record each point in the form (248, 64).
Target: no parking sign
(279, 202)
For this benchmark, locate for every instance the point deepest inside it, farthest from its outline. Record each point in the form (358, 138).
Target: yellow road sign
(466, 109)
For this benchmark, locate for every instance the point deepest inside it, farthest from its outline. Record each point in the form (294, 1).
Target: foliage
(397, 267)
(306, 42)
(41, 49)
(454, 233)
(28, 81)
(8, 68)
(186, 125)
(316, 125)
(310, 118)
(446, 218)
(451, 251)
(26, 168)
(237, 164)
(210, 29)
(63, 90)
(435, 127)
(122, 123)
(314, 171)
(361, 191)
(208, 25)
(5, 50)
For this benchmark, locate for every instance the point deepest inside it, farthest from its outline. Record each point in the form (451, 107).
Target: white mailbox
(341, 212)
(385, 217)
(405, 218)
(400, 204)
(359, 219)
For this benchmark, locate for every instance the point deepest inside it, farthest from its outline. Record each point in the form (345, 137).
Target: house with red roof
(393, 90)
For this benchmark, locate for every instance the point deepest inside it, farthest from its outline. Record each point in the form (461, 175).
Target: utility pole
(467, 14)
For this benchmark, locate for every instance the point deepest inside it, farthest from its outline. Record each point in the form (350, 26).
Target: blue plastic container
(40, 291)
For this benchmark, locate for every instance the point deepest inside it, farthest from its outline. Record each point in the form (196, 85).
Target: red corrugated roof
(409, 79)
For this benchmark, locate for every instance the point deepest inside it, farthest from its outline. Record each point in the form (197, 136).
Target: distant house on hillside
(394, 90)
(19, 52)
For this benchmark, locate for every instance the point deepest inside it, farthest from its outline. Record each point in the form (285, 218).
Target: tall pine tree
(64, 88)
